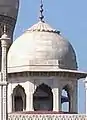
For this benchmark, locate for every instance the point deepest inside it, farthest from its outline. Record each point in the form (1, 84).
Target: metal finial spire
(41, 12)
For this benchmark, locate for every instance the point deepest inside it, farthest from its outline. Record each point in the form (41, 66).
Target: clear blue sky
(70, 17)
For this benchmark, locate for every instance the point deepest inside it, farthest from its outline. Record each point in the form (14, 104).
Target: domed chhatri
(41, 48)
(39, 75)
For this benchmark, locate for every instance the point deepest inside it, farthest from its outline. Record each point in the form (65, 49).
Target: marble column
(86, 100)
(4, 45)
(56, 99)
(73, 98)
(30, 102)
(9, 98)
(86, 93)
(29, 97)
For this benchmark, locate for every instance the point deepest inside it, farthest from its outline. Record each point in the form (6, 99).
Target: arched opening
(18, 103)
(19, 99)
(43, 98)
(65, 99)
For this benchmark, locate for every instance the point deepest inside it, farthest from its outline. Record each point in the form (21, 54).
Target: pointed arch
(18, 99)
(43, 98)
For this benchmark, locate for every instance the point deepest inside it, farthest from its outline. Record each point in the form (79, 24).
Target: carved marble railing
(46, 116)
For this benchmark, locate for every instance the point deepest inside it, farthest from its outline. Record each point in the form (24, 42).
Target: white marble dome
(41, 48)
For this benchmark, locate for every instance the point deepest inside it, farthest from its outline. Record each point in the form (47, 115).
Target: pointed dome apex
(42, 27)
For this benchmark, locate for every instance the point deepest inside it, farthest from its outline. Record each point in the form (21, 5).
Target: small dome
(41, 48)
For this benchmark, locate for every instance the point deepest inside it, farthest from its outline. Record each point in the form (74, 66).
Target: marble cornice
(67, 74)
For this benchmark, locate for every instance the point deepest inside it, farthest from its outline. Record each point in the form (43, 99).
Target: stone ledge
(46, 116)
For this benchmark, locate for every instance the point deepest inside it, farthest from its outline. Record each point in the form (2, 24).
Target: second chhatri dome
(41, 47)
